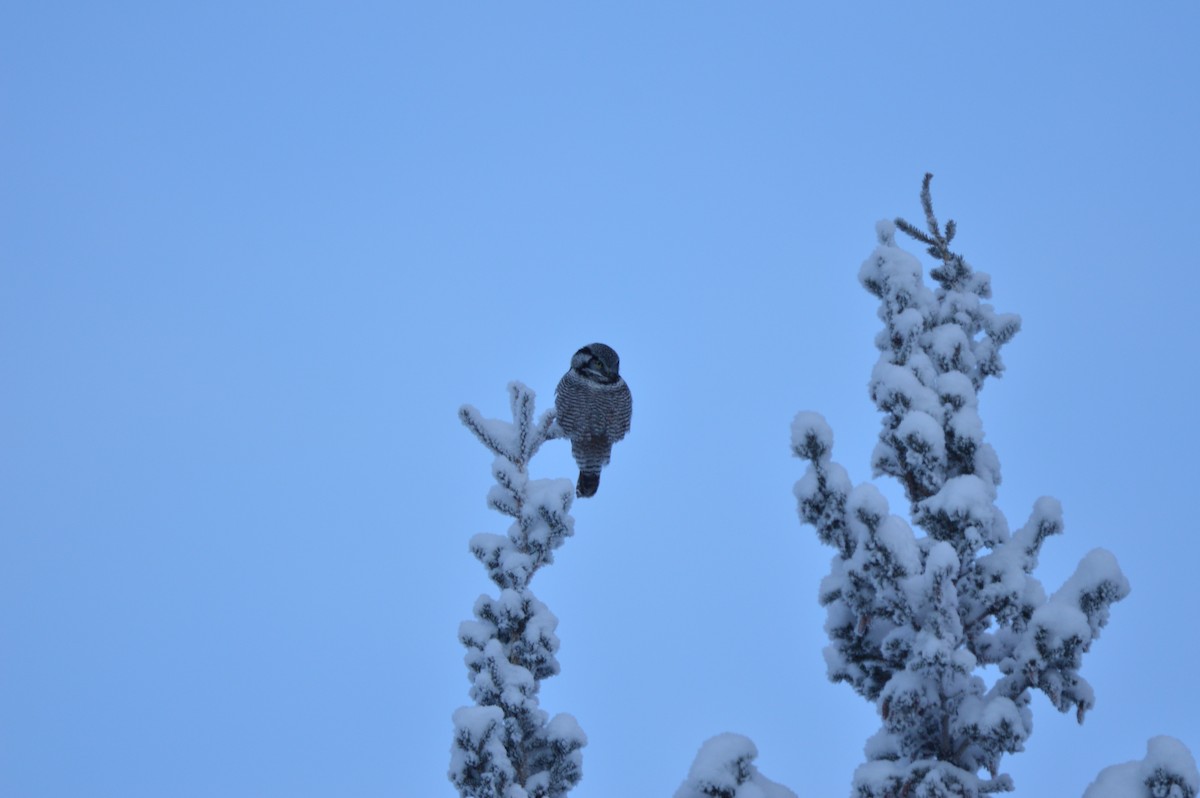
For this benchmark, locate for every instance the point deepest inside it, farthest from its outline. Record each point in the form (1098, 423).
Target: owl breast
(592, 410)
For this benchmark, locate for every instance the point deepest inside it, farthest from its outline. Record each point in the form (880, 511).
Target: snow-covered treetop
(507, 746)
(937, 349)
(912, 618)
(540, 506)
(1168, 771)
(724, 768)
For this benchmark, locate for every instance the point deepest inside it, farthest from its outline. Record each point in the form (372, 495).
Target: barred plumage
(594, 409)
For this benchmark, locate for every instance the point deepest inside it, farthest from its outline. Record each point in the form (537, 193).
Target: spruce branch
(914, 231)
(910, 618)
(489, 434)
(927, 203)
(938, 242)
(511, 643)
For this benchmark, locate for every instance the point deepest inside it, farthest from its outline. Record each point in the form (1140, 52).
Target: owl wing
(618, 410)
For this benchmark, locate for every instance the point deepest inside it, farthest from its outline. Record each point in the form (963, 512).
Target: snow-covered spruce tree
(913, 619)
(504, 746)
(1168, 771)
(724, 768)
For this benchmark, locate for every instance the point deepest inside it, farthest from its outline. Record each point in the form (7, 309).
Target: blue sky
(253, 257)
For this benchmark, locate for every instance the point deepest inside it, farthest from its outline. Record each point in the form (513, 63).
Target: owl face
(597, 362)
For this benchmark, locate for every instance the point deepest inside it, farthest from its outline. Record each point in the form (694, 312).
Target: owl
(594, 407)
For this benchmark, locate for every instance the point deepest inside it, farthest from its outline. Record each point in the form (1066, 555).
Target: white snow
(512, 684)
(724, 763)
(922, 366)
(895, 388)
(1063, 630)
(941, 560)
(967, 425)
(955, 388)
(866, 504)
(807, 488)
(475, 634)
(499, 436)
(1003, 326)
(812, 437)
(950, 348)
(474, 728)
(502, 499)
(967, 499)
(1098, 576)
(540, 626)
(1001, 717)
(921, 431)
(564, 729)
(486, 546)
(1045, 520)
(908, 323)
(885, 231)
(987, 464)
(505, 675)
(1119, 781)
(891, 268)
(882, 745)
(477, 721)
(551, 493)
(897, 537)
(507, 473)
(1168, 766)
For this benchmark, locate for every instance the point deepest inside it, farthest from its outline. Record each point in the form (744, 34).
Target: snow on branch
(724, 768)
(507, 746)
(1168, 771)
(913, 617)
(519, 440)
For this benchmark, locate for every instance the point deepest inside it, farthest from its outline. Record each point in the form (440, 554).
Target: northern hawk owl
(594, 407)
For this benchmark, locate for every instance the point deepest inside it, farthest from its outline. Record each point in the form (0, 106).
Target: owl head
(597, 362)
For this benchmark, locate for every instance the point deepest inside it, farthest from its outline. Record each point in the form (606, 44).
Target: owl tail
(587, 484)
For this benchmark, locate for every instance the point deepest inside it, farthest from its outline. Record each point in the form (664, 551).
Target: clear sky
(253, 257)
